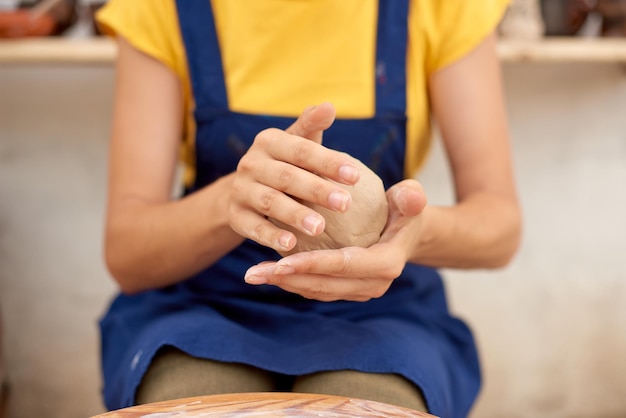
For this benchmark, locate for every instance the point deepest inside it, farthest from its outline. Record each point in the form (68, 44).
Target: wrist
(218, 196)
(425, 233)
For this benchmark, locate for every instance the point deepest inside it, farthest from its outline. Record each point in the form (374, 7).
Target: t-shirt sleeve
(151, 26)
(456, 27)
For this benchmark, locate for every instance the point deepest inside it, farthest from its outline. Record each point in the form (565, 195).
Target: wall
(53, 286)
(551, 327)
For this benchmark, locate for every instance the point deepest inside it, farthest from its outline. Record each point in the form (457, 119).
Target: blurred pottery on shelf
(565, 17)
(613, 14)
(93, 8)
(21, 24)
(523, 20)
(45, 18)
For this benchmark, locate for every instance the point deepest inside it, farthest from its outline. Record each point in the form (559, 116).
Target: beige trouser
(174, 374)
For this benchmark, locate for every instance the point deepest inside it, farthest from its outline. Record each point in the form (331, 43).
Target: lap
(174, 374)
(388, 388)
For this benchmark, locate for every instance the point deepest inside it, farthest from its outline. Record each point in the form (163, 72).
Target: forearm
(150, 245)
(482, 231)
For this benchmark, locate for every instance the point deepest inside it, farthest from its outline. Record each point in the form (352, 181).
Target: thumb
(407, 197)
(313, 121)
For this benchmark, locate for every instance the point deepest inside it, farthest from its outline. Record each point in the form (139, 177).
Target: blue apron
(216, 315)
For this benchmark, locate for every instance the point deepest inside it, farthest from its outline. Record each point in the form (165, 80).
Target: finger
(330, 289)
(305, 154)
(303, 185)
(313, 122)
(407, 197)
(272, 203)
(253, 226)
(362, 263)
(318, 287)
(258, 274)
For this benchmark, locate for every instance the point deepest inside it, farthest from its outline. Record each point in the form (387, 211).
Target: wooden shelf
(103, 50)
(564, 50)
(58, 51)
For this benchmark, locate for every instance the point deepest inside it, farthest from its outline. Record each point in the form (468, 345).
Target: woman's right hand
(282, 168)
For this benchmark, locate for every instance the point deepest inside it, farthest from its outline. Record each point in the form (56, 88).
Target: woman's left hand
(353, 273)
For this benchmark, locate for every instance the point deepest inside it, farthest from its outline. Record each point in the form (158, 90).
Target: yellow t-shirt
(338, 38)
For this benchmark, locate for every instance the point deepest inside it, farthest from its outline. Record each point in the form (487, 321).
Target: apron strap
(391, 50)
(197, 26)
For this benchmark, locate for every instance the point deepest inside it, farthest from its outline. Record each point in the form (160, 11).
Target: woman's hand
(353, 273)
(282, 168)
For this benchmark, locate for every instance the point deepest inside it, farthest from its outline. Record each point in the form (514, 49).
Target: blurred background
(551, 327)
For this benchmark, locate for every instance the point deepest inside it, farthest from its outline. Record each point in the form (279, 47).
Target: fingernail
(399, 197)
(258, 274)
(339, 200)
(255, 279)
(284, 269)
(349, 173)
(313, 224)
(261, 269)
(284, 241)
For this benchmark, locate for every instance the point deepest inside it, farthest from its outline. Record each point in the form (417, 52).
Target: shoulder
(151, 26)
(137, 14)
(450, 29)
(442, 11)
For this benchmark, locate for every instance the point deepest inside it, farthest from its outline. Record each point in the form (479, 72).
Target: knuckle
(318, 190)
(377, 292)
(390, 274)
(258, 231)
(301, 153)
(343, 266)
(319, 290)
(266, 136)
(329, 165)
(372, 291)
(296, 217)
(285, 178)
(339, 158)
(397, 270)
(245, 164)
(277, 281)
(266, 201)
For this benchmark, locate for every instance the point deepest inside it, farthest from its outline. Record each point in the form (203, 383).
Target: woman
(207, 305)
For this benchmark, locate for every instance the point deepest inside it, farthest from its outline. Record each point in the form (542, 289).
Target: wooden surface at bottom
(265, 405)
